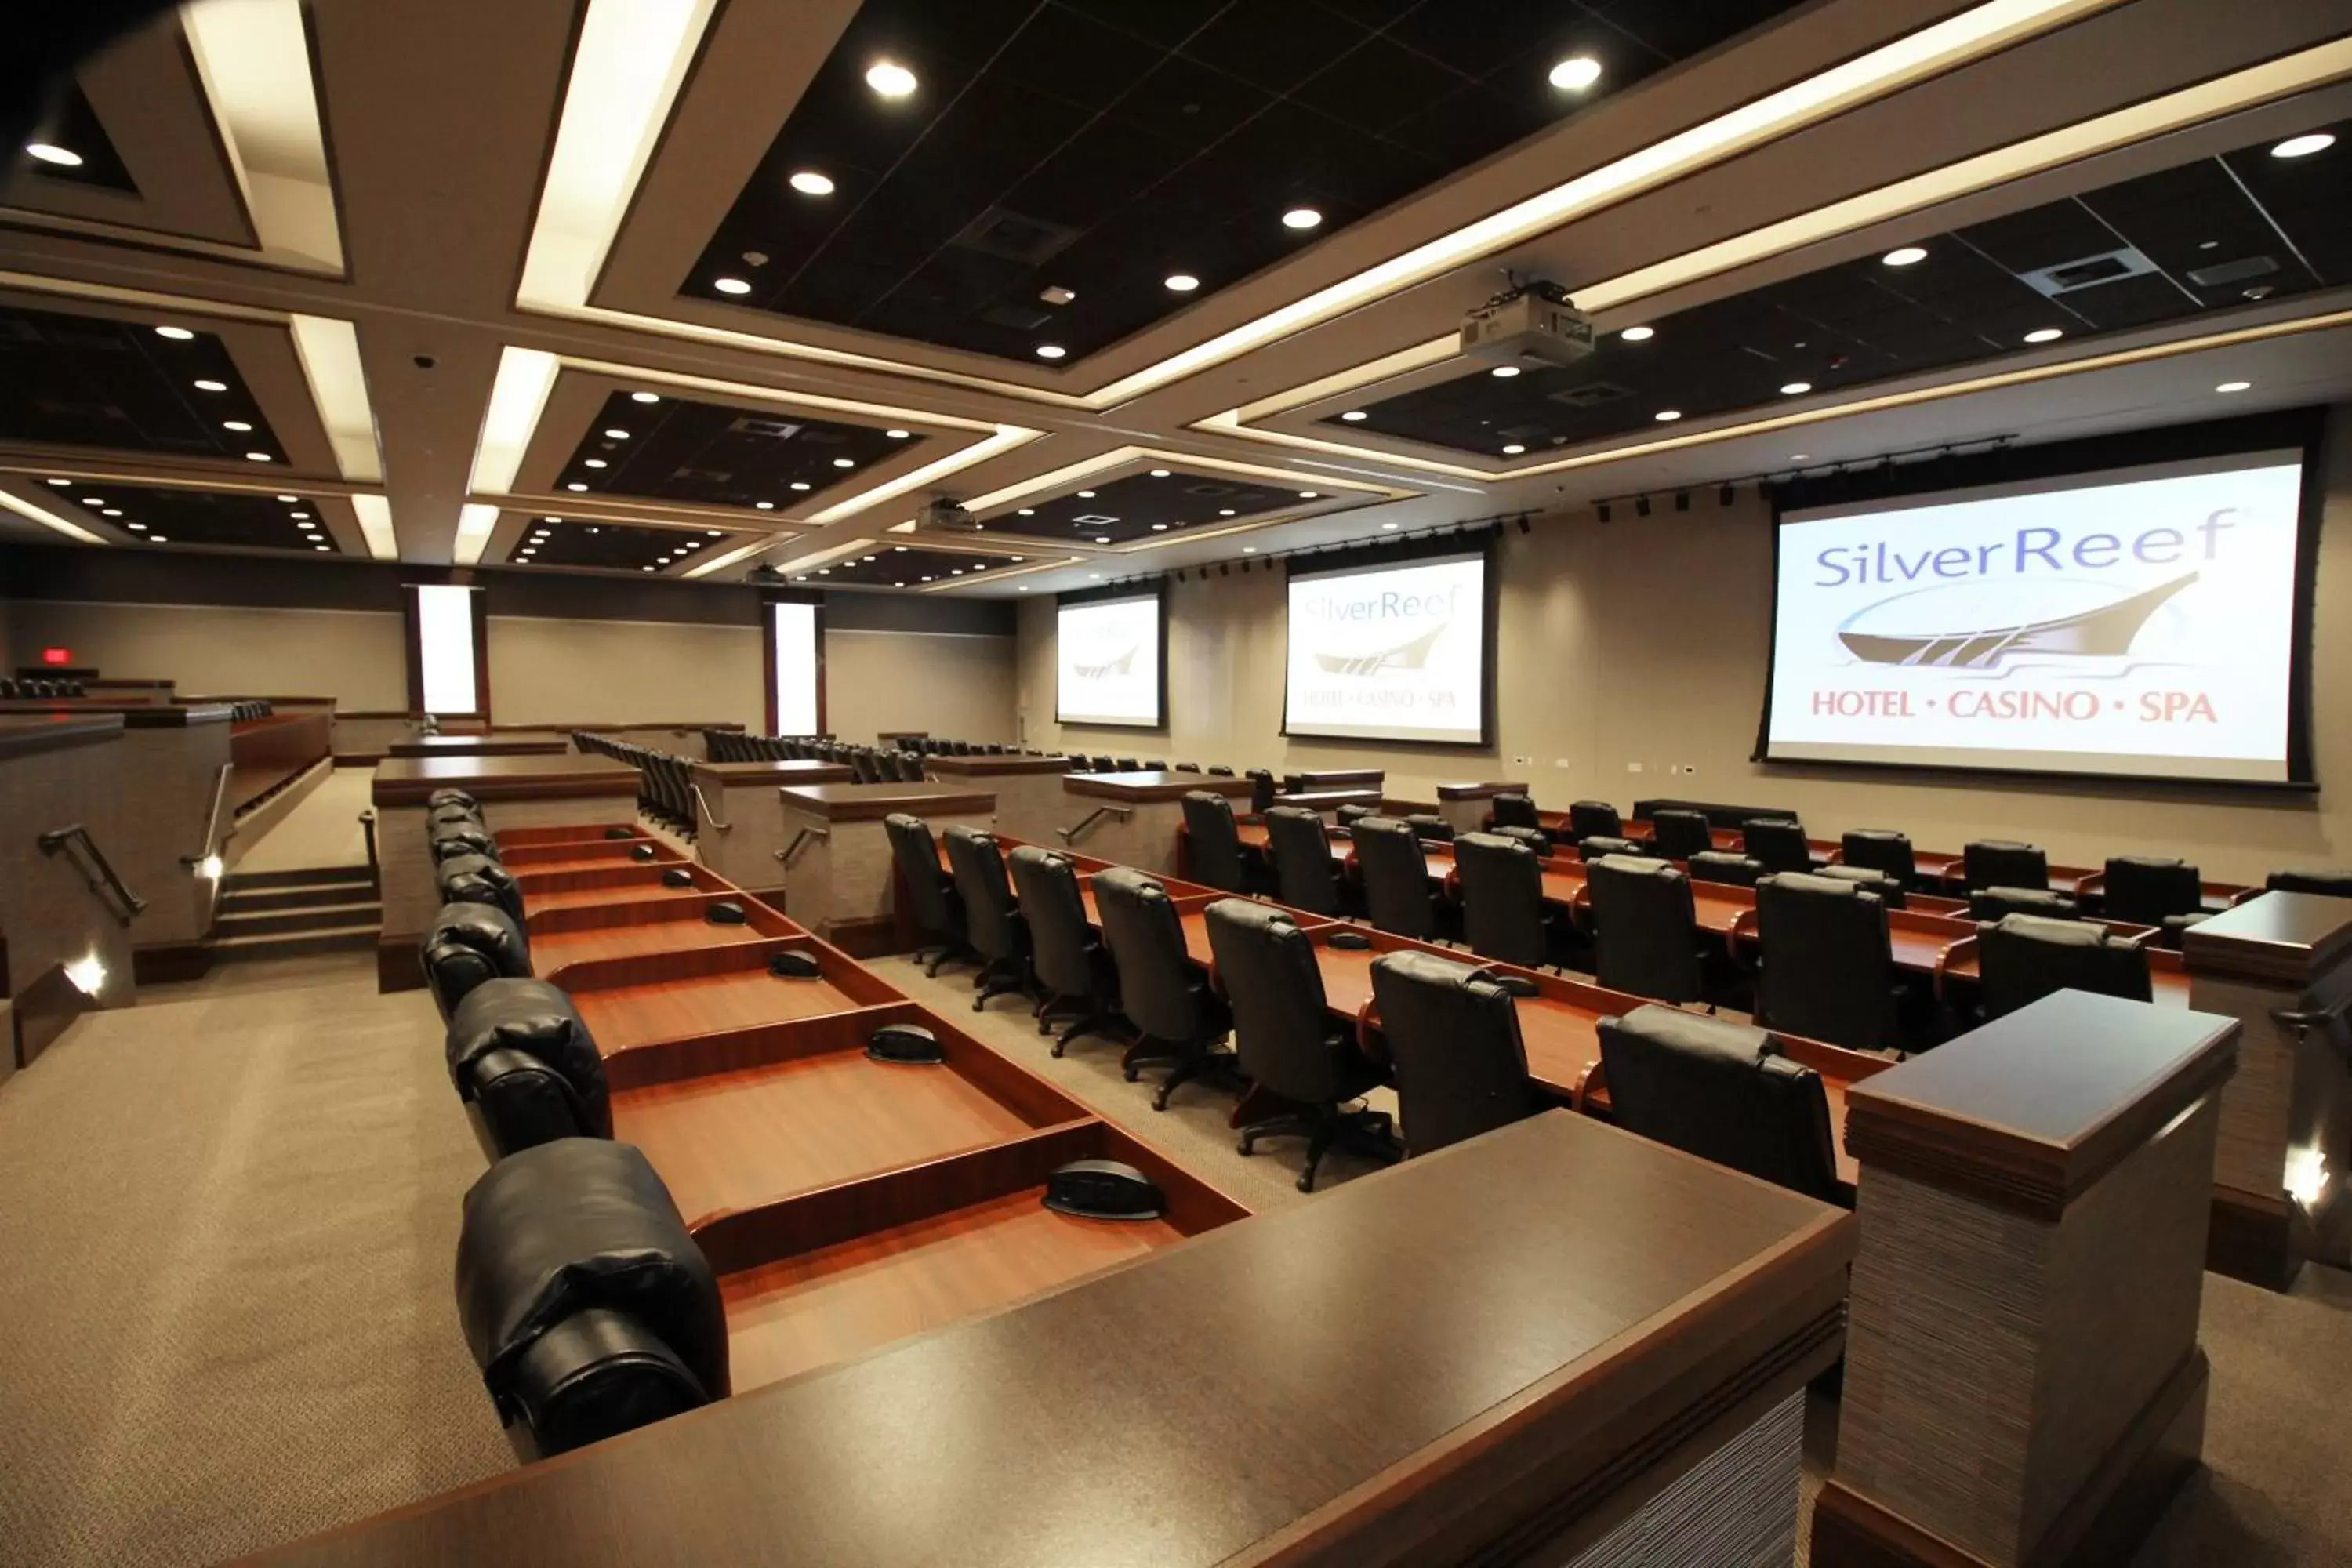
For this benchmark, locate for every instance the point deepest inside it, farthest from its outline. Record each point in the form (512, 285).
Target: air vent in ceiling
(2237, 271)
(1524, 433)
(1019, 318)
(2089, 271)
(1092, 519)
(1209, 489)
(771, 429)
(998, 232)
(1591, 395)
(700, 477)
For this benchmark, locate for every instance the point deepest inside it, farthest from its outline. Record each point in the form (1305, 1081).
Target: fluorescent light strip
(998, 574)
(770, 396)
(253, 58)
(475, 522)
(374, 513)
(631, 57)
(1006, 438)
(50, 520)
(329, 352)
(516, 397)
(717, 563)
(1118, 456)
(826, 556)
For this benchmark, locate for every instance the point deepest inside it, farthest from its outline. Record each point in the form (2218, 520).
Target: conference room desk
(1315, 1386)
(1326, 801)
(742, 829)
(840, 874)
(1028, 790)
(492, 745)
(1135, 818)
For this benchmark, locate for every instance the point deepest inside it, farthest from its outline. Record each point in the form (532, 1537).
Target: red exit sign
(57, 656)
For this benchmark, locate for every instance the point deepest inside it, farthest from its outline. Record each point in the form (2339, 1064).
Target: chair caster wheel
(1306, 1183)
(1059, 1047)
(1131, 1075)
(980, 1004)
(1246, 1147)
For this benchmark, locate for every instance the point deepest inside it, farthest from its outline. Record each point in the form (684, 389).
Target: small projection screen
(1392, 649)
(2142, 622)
(1110, 663)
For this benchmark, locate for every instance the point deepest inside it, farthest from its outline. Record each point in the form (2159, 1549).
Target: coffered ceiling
(757, 284)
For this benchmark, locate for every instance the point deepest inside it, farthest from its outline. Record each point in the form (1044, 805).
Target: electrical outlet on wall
(1521, 762)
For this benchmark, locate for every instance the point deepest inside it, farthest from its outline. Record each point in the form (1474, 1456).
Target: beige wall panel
(354, 656)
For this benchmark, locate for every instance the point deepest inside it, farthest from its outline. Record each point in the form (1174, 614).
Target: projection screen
(1396, 651)
(1106, 662)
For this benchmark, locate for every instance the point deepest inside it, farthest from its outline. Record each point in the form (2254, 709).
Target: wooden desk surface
(23, 735)
(1147, 785)
(2279, 939)
(408, 781)
(552, 951)
(783, 771)
(1067, 1433)
(480, 746)
(873, 802)
(986, 767)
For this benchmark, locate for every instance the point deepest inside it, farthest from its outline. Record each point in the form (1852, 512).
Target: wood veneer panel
(575, 833)
(628, 907)
(599, 851)
(610, 875)
(552, 953)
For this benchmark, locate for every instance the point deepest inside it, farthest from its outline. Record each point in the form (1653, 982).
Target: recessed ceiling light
(2233, 386)
(644, 568)
(897, 435)
(955, 571)
(257, 457)
(113, 511)
(237, 424)
(136, 527)
(898, 550)
(1159, 473)
(1027, 511)
(890, 79)
(1224, 512)
(1389, 527)
(320, 548)
(809, 183)
(765, 505)
(157, 538)
(645, 397)
(2044, 335)
(1182, 282)
(1309, 495)
(845, 462)
(48, 152)
(731, 286)
(1668, 416)
(1086, 495)
(1051, 351)
(925, 578)
(91, 500)
(1018, 557)
(291, 501)
(714, 533)
(575, 485)
(61, 483)
(1513, 450)
(616, 435)
(1249, 549)
(1102, 539)
(212, 386)
(177, 335)
(800, 484)
(1094, 576)
(1055, 294)
(1904, 255)
(866, 558)
(1353, 414)
(1575, 73)
(593, 463)
(1301, 217)
(1795, 388)
(1638, 334)
(2304, 146)
(300, 516)
(1159, 527)
(1800, 457)
(1504, 372)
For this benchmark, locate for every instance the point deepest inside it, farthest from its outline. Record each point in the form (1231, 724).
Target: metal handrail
(2330, 1021)
(790, 851)
(97, 871)
(212, 840)
(1071, 834)
(709, 818)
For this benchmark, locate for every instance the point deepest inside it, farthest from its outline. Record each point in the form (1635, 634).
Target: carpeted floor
(228, 1217)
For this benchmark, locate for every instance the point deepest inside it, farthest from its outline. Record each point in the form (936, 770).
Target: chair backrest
(1395, 876)
(1219, 771)
(1282, 1032)
(2147, 889)
(1261, 788)
(1644, 934)
(1679, 834)
(1430, 827)
(468, 944)
(1502, 897)
(1513, 811)
(1989, 904)
(1535, 839)
(1590, 818)
(1828, 962)
(1718, 1090)
(1303, 868)
(2025, 958)
(479, 879)
(991, 920)
(1347, 815)
(2003, 863)
(2328, 881)
(1889, 889)
(1727, 866)
(1212, 843)
(1780, 844)
(1067, 954)
(929, 893)
(1881, 849)
(1160, 990)
(1453, 1043)
(1186, 768)
(518, 1051)
(1600, 844)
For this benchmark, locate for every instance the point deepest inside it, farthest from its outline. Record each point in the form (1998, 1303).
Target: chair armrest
(1963, 947)
(1587, 1081)
(1367, 1029)
(1742, 929)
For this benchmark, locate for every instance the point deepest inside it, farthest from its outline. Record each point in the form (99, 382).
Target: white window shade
(445, 654)
(797, 669)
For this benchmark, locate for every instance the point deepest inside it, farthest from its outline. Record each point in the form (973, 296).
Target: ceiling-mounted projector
(944, 516)
(1531, 325)
(765, 573)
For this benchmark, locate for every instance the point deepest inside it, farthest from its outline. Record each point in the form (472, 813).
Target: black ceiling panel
(710, 454)
(2165, 247)
(611, 546)
(904, 566)
(73, 128)
(81, 381)
(1118, 511)
(235, 519)
(1100, 147)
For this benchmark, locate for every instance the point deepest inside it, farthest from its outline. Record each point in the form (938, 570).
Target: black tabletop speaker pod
(794, 965)
(678, 876)
(642, 852)
(1350, 941)
(726, 912)
(1104, 1189)
(908, 1043)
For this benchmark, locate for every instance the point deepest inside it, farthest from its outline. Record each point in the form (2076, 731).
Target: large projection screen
(2138, 622)
(1397, 651)
(1106, 662)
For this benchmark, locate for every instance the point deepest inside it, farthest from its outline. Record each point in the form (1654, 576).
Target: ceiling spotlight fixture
(2304, 146)
(49, 152)
(901, 550)
(1308, 495)
(1224, 512)
(897, 435)
(845, 462)
(1086, 495)
(91, 500)
(300, 516)
(644, 568)
(1159, 473)
(2044, 335)
(136, 527)
(1159, 527)
(212, 386)
(177, 335)
(1800, 457)
(592, 463)
(1904, 255)
(1102, 539)
(1055, 294)
(1388, 527)
(616, 435)
(1051, 351)
(764, 505)
(320, 548)
(800, 484)
(1504, 372)
(113, 512)
(1638, 334)
(257, 457)
(61, 483)
(809, 183)
(238, 425)
(1301, 218)
(1355, 414)
(1249, 549)
(296, 500)
(157, 538)
(1667, 415)
(575, 486)
(890, 79)
(1576, 73)
(1027, 511)
(645, 397)
(731, 286)
(1181, 282)
(1796, 388)
(2233, 386)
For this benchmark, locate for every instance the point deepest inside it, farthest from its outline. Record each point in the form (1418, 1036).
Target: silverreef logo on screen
(1374, 607)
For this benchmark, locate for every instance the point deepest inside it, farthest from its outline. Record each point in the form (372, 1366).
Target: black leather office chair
(931, 896)
(1286, 1040)
(1261, 788)
(468, 944)
(451, 840)
(1212, 846)
(1073, 967)
(1219, 771)
(1104, 766)
(479, 879)
(1880, 850)
(1305, 876)
(2328, 881)
(1826, 966)
(587, 1305)
(1987, 905)
(1454, 1047)
(1678, 834)
(1594, 819)
(1780, 844)
(1535, 839)
(1725, 866)
(1599, 843)
(2003, 863)
(526, 1067)
(1645, 931)
(1889, 889)
(2153, 891)
(458, 797)
(2025, 958)
(1162, 991)
(1187, 768)
(1503, 914)
(1514, 811)
(1130, 765)
(1348, 816)
(991, 917)
(1721, 1090)
(1395, 877)
(1430, 827)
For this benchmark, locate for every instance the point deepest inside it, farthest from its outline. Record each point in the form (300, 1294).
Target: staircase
(286, 914)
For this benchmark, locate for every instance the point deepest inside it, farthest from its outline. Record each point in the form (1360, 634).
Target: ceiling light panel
(87, 381)
(694, 452)
(612, 546)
